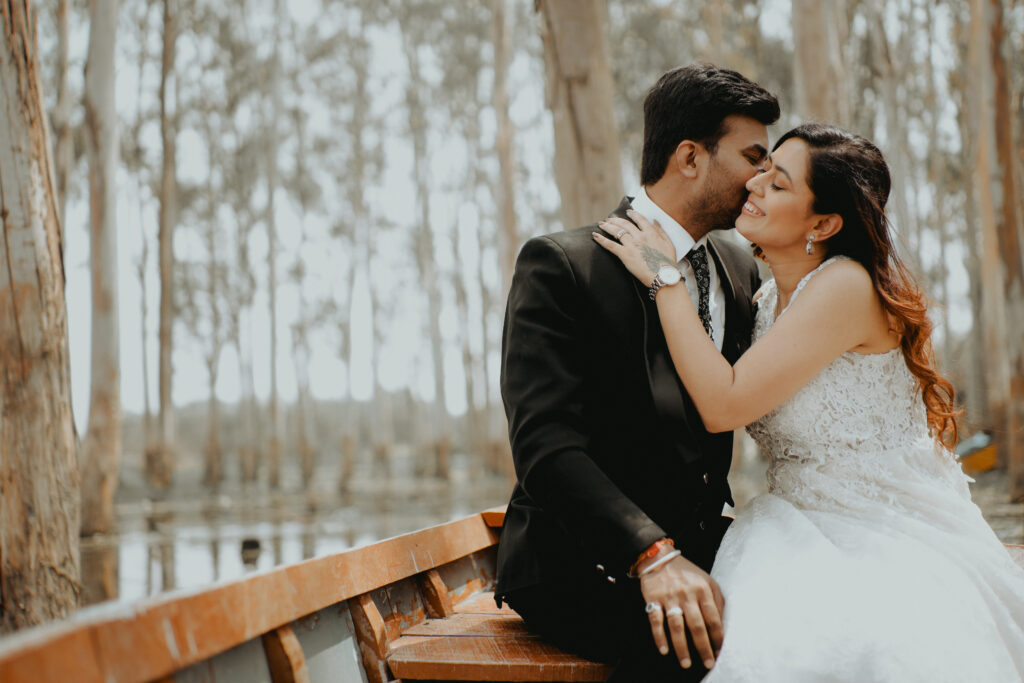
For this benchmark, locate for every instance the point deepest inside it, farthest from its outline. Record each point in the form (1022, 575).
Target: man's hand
(689, 599)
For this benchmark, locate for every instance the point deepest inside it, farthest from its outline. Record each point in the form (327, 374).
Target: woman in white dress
(866, 560)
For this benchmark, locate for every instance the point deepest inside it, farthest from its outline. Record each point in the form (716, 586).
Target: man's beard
(722, 201)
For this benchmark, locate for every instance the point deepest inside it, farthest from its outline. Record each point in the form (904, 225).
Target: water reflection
(217, 536)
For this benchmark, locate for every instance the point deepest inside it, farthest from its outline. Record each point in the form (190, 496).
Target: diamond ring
(653, 607)
(674, 611)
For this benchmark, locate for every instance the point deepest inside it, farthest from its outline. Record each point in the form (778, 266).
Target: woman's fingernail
(685, 663)
(709, 663)
(663, 649)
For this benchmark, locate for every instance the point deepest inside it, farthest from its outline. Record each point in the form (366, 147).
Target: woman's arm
(834, 313)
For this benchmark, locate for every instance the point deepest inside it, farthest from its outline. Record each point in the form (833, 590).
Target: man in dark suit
(615, 471)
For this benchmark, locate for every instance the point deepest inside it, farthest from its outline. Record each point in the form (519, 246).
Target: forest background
(288, 228)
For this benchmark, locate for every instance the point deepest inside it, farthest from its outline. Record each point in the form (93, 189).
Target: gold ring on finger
(675, 611)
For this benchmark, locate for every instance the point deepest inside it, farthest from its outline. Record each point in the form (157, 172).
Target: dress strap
(806, 278)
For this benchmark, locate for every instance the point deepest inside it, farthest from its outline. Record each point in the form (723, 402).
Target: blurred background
(313, 212)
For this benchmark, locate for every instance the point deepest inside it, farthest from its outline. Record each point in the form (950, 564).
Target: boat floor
(481, 642)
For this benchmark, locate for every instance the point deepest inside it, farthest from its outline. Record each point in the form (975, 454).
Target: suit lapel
(671, 402)
(737, 303)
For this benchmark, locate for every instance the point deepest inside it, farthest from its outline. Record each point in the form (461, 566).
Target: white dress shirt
(683, 243)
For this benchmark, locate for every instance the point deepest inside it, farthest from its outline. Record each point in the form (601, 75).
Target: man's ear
(828, 226)
(685, 158)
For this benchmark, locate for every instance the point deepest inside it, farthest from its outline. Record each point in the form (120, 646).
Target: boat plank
(486, 658)
(482, 603)
(494, 517)
(245, 663)
(328, 639)
(285, 657)
(472, 625)
(155, 637)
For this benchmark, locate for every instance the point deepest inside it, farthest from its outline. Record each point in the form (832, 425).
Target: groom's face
(737, 158)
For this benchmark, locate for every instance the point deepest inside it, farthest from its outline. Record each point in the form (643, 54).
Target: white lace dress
(866, 560)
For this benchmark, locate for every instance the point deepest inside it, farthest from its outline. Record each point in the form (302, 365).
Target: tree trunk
(425, 257)
(159, 461)
(101, 451)
(213, 472)
(246, 406)
(503, 142)
(816, 62)
(274, 440)
(39, 505)
(996, 187)
(580, 93)
(64, 153)
(895, 122)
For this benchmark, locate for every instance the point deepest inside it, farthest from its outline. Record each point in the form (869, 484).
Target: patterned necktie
(698, 258)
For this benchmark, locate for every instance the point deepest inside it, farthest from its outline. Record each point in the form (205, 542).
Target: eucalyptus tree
(101, 450)
(39, 509)
(63, 155)
(241, 167)
(160, 456)
(997, 190)
(419, 23)
(581, 93)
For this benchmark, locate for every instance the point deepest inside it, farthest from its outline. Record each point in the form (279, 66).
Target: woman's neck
(788, 270)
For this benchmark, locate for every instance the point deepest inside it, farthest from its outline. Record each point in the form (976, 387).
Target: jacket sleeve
(543, 385)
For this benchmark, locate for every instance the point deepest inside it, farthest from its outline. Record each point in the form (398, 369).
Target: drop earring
(809, 249)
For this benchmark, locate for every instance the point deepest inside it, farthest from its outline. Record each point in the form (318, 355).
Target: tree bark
(425, 257)
(159, 461)
(101, 451)
(274, 440)
(580, 93)
(503, 142)
(213, 471)
(816, 62)
(64, 152)
(996, 188)
(39, 484)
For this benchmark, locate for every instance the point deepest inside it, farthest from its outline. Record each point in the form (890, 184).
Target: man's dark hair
(691, 103)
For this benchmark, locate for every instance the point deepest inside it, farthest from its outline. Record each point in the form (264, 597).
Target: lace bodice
(854, 433)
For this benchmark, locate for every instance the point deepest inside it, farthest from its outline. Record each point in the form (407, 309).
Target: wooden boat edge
(166, 633)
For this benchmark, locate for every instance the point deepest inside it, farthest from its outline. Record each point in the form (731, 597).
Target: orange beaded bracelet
(652, 551)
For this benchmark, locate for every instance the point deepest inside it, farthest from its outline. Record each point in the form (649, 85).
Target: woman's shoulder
(842, 280)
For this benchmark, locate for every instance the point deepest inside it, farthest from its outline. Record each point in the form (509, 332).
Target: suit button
(611, 579)
(702, 525)
(705, 477)
(599, 567)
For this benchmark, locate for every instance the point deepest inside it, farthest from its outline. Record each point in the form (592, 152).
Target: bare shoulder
(843, 282)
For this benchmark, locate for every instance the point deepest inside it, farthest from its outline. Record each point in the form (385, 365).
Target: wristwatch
(666, 277)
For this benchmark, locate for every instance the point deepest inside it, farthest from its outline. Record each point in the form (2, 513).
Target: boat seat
(481, 642)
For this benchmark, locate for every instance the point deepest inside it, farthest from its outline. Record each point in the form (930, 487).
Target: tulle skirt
(869, 594)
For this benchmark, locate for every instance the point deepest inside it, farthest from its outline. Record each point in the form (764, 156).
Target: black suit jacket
(610, 453)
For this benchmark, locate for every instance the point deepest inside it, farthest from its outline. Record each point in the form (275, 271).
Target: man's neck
(669, 199)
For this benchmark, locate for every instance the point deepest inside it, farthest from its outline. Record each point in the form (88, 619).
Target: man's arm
(542, 386)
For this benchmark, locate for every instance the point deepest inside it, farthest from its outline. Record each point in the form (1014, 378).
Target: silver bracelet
(657, 564)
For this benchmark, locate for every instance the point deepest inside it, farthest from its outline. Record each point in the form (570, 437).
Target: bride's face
(777, 214)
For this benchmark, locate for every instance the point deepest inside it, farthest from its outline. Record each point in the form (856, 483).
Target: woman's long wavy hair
(848, 176)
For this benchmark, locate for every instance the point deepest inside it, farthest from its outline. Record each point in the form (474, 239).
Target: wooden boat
(416, 607)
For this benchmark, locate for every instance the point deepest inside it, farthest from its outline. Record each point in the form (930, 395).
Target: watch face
(669, 275)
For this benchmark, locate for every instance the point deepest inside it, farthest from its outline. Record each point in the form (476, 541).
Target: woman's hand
(642, 248)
